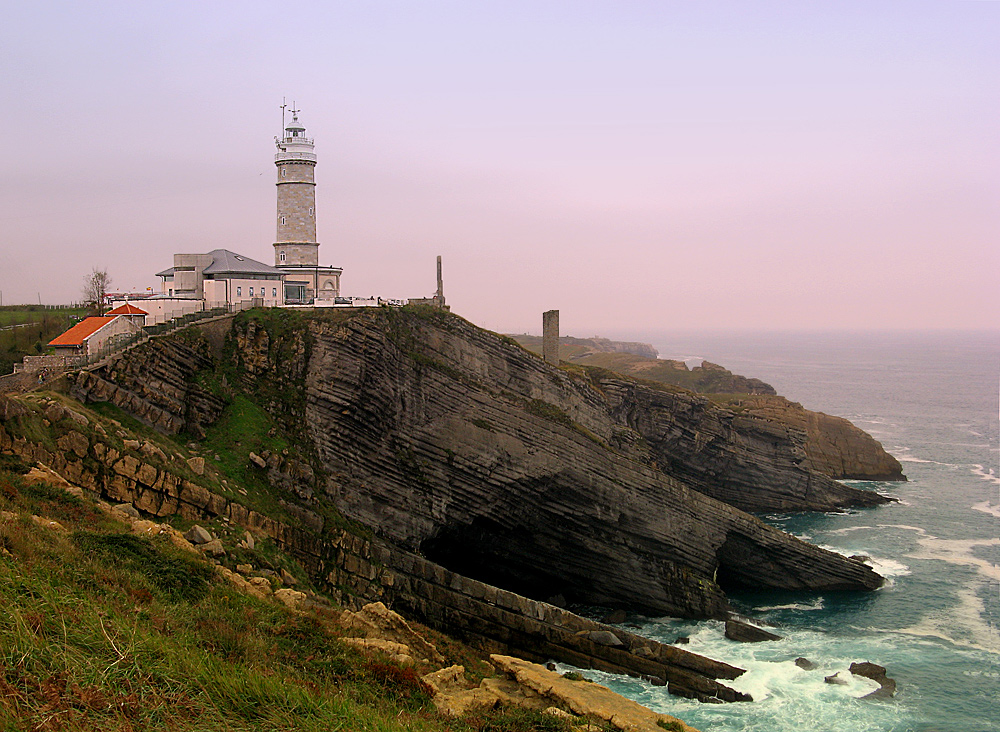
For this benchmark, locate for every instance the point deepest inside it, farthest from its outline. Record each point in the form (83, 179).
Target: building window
(239, 292)
(310, 210)
(282, 220)
(274, 292)
(282, 172)
(282, 256)
(251, 292)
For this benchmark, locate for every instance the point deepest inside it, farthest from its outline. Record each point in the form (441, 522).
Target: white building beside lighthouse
(296, 251)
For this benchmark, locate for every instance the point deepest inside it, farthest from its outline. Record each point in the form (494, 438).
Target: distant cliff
(832, 445)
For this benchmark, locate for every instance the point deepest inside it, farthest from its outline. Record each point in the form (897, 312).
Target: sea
(932, 399)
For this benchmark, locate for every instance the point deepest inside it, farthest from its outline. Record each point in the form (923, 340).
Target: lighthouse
(296, 251)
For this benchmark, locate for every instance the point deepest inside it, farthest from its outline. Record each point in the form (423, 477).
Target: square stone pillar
(550, 336)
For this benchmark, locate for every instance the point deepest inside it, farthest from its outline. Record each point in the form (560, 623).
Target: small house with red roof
(87, 337)
(136, 315)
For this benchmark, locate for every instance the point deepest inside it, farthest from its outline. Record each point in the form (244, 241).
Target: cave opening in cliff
(742, 564)
(505, 557)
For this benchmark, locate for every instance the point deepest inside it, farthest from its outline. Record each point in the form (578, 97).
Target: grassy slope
(644, 368)
(106, 630)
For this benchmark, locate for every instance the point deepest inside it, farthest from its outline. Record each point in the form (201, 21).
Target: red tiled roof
(82, 330)
(127, 309)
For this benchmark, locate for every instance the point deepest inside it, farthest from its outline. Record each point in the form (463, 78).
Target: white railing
(294, 156)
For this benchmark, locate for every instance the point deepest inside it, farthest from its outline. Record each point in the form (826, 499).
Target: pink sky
(637, 165)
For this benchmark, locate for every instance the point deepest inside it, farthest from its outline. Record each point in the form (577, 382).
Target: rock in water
(887, 686)
(746, 633)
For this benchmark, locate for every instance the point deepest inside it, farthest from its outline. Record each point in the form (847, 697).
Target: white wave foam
(962, 626)
(986, 474)
(904, 527)
(886, 567)
(850, 529)
(889, 568)
(965, 624)
(766, 679)
(986, 507)
(818, 605)
(912, 459)
(959, 552)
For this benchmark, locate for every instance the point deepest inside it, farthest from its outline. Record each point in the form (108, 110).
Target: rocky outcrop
(479, 467)
(154, 383)
(535, 687)
(741, 632)
(452, 443)
(887, 686)
(711, 378)
(833, 445)
(751, 463)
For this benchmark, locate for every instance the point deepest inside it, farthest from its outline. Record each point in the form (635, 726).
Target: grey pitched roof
(227, 262)
(165, 273)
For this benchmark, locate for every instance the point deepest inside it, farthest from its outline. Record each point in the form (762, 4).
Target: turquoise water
(932, 400)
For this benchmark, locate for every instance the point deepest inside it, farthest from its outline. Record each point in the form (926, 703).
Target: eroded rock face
(154, 383)
(751, 463)
(834, 446)
(451, 441)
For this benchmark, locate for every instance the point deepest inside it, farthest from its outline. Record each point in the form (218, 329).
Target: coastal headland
(407, 456)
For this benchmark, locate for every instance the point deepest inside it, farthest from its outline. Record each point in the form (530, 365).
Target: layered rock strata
(155, 384)
(455, 444)
(833, 445)
(753, 464)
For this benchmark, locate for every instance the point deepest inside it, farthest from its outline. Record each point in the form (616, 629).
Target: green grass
(244, 427)
(103, 630)
(33, 339)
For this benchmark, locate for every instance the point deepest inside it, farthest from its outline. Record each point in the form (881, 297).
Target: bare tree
(95, 290)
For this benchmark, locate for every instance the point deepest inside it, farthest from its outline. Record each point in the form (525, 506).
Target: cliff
(457, 444)
(833, 446)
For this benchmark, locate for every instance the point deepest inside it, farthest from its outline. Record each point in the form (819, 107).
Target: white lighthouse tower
(296, 250)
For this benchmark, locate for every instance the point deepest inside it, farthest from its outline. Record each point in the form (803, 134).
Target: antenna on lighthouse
(284, 104)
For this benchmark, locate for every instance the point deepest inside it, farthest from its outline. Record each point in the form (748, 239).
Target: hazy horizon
(638, 166)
